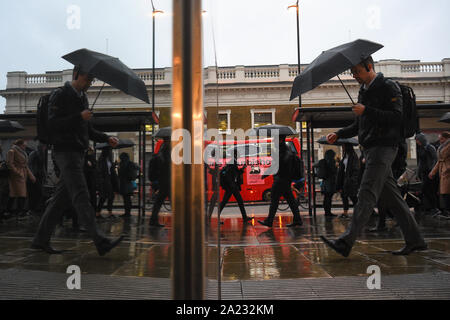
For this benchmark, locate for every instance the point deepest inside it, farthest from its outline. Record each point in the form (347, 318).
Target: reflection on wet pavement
(247, 252)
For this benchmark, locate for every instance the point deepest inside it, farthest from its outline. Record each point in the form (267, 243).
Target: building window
(223, 124)
(262, 117)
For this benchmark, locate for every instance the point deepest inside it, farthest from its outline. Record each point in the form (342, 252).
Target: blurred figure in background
(442, 168)
(347, 182)
(19, 173)
(328, 186)
(128, 173)
(36, 163)
(427, 158)
(107, 182)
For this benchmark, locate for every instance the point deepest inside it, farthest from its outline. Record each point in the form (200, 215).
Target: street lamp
(296, 6)
(154, 14)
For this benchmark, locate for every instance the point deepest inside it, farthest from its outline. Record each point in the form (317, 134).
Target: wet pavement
(248, 253)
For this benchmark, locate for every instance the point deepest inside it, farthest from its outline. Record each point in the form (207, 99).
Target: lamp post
(154, 13)
(296, 6)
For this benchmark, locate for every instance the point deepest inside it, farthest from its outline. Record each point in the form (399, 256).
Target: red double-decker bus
(255, 153)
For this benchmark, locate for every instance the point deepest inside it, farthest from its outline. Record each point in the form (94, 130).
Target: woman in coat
(17, 160)
(127, 175)
(328, 187)
(443, 168)
(107, 181)
(348, 177)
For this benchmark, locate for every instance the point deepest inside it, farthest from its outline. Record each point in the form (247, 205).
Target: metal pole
(188, 246)
(299, 71)
(313, 160)
(153, 79)
(140, 178)
(143, 169)
(308, 126)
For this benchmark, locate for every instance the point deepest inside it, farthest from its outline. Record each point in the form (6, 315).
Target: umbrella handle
(92, 107)
(346, 90)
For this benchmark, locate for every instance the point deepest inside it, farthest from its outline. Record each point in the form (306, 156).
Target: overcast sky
(36, 33)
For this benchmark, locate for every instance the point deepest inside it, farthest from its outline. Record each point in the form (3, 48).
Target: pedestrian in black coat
(282, 186)
(347, 182)
(70, 129)
(127, 185)
(328, 186)
(160, 170)
(230, 181)
(427, 158)
(107, 181)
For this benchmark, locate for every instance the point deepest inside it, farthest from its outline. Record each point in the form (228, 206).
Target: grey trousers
(71, 190)
(378, 183)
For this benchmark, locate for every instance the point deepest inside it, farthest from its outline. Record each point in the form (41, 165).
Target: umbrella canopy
(445, 118)
(165, 132)
(282, 130)
(123, 143)
(7, 126)
(331, 63)
(110, 70)
(339, 142)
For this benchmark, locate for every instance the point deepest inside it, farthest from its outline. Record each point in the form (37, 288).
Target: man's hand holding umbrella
(87, 115)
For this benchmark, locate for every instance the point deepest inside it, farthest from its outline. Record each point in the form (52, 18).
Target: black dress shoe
(107, 245)
(47, 248)
(337, 245)
(265, 223)
(155, 224)
(295, 224)
(408, 249)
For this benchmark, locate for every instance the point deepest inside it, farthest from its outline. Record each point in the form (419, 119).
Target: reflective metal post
(313, 160)
(188, 263)
(308, 143)
(140, 176)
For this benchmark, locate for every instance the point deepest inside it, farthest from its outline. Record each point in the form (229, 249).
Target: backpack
(321, 169)
(43, 134)
(409, 112)
(297, 168)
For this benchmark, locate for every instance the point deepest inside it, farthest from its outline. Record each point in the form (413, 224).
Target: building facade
(241, 97)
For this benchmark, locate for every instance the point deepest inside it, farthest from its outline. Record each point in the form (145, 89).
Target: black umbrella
(165, 132)
(7, 126)
(123, 143)
(282, 130)
(339, 142)
(110, 70)
(331, 63)
(445, 118)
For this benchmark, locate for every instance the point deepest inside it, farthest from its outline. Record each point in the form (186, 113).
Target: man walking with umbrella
(378, 126)
(70, 131)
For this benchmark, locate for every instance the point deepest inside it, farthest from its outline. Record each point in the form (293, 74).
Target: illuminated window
(262, 117)
(224, 121)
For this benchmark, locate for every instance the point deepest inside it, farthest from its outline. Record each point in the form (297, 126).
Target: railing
(262, 72)
(248, 73)
(42, 78)
(422, 67)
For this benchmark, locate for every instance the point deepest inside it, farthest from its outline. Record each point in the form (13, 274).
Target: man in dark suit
(70, 131)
